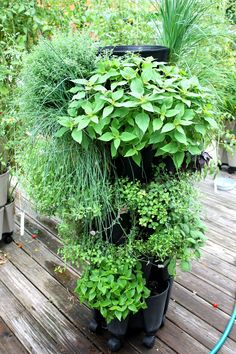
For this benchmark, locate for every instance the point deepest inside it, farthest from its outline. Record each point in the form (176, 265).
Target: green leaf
(172, 267)
(212, 122)
(171, 148)
(156, 137)
(66, 122)
(113, 150)
(172, 113)
(107, 111)
(186, 122)
(180, 129)
(75, 89)
(118, 315)
(167, 127)
(137, 87)
(61, 132)
(163, 109)
(128, 104)
(115, 84)
(178, 159)
(185, 266)
(77, 135)
(117, 143)
(200, 129)
(157, 124)
(87, 106)
(79, 96)
(180, 137)
(188, 115)
(83, 123)
(80, 81)
(117, 95)
(126, 136)
(106, 137)
(133, 308)
(194, 150)
(128, 73)
(137, 159)
(142, 120)
(147, 107)
(147, 74)
(130, 152)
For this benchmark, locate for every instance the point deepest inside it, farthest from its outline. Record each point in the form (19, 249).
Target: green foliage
(66, 181)
(133, 103)
(113, 284)
(21, 24)
(7, 128)
(169, 207)
(120, 22)
(179, 27)
(46, 78)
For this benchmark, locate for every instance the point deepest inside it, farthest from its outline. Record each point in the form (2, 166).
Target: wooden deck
(39, 312)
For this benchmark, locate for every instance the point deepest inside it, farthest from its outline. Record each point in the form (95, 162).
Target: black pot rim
(134, 48)
(166, 289)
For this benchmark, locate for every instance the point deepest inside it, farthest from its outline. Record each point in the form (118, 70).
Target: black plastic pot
(116, 233)
(126, 167)
(159, 53)
(148, 320)
(154, 312)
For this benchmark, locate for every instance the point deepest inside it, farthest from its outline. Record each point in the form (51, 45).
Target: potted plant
(141, 109)
(166, 229)
(6, 199)
(159, 53)
(144, 114)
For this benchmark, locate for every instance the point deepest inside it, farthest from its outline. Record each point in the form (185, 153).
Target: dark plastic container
(159, 53)
(148, 320)
(126, 167)
(153, 314)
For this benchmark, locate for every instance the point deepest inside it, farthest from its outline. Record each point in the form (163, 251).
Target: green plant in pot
(126, 105)
(166, 230)
(134, 104)
(6, 201)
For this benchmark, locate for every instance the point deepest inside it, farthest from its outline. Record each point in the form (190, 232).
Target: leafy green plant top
(132, 103)
(113, 283)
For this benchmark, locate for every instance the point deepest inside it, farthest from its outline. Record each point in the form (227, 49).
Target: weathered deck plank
(44, 312)
(9, 344)
(34, 337)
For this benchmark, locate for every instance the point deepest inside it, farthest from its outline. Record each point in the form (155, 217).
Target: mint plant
(131, 103)
(113, 284)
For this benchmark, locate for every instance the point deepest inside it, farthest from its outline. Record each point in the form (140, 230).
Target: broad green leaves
(142, 120)
(77, 135)
(130, 103)
(137, 87)
(167, 127)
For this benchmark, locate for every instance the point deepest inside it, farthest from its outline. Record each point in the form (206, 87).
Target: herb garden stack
(116, 144)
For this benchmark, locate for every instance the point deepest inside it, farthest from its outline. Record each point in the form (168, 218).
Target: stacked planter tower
(152, 318)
